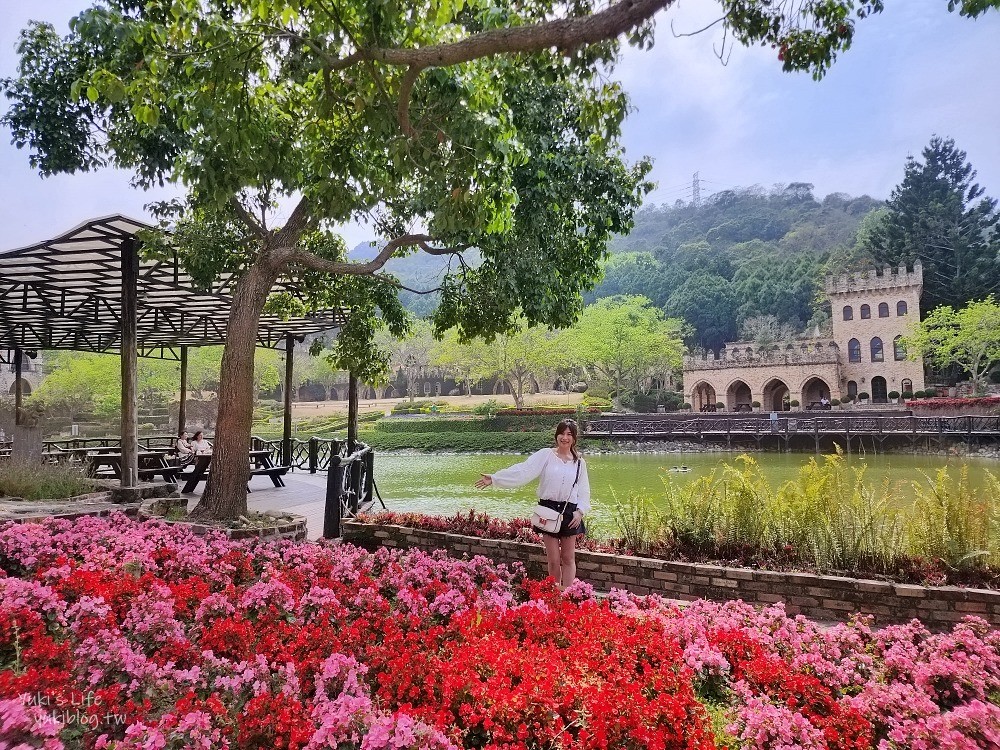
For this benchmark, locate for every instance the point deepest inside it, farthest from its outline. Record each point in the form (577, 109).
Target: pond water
(443, 484)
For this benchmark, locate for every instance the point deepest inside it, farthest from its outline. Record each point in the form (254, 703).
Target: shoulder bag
(549, 519)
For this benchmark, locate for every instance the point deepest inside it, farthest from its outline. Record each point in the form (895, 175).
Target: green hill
(746, 254)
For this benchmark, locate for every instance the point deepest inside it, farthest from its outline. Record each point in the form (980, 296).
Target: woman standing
(563, 485)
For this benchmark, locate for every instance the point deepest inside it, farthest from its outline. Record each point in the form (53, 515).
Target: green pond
(443, 484)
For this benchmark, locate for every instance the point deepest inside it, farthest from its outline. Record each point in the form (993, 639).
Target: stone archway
(703, 397)
(334, 396)
(775, 394)
(814, 390)
(390, 392)
(738, 395)
(25, 388)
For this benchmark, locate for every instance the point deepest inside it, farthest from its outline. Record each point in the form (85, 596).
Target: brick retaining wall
(815, 596)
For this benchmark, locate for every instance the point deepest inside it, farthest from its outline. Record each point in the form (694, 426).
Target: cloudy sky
(914, 71)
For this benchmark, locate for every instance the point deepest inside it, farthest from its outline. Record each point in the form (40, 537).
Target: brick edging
(816, 596)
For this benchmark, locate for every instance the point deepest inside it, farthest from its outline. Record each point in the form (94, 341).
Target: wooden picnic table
(261, 464)
(151, 463)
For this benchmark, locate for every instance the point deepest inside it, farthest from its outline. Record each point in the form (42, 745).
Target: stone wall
(815, 596)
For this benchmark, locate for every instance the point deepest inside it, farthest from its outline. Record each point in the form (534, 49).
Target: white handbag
(547, 519)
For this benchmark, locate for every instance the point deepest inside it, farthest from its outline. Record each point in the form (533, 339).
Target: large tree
(968, 337)
(940, 216)
(626, 343)
(449, 125)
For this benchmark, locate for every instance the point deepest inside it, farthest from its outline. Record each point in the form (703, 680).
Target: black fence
(838, 428)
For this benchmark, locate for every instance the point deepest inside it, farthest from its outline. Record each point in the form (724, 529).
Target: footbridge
(787, 431)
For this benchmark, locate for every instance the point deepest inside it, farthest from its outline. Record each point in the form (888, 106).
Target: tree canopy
(941, 216)
(449, 125)
(968, 337)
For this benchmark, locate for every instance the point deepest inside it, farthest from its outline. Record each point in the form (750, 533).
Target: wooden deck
(303, 493)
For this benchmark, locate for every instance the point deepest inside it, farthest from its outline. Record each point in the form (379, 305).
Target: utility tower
(695, 190)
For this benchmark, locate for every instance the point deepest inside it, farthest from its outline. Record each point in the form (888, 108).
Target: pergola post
(182, 407)
(286, 431)
(130, 353)
(18, 384)
(352, 412)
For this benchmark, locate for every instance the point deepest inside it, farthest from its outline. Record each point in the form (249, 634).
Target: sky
(913, 72)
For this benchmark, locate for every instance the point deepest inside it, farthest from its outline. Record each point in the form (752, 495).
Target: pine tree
(940, 215)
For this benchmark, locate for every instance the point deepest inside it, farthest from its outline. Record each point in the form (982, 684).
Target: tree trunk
(516, 392)
(226, 493)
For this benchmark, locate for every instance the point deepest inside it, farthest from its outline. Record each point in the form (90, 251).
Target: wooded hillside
(748, 258)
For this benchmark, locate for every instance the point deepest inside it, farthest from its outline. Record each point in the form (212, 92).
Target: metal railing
(350, 488)
(962, 426)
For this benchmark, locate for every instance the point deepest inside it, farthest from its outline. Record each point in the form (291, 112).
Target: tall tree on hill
(939, 215)
(486, 124)
(706, 303)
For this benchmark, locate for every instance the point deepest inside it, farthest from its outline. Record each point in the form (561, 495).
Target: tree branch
(564, 34)
(297, 256)
(247, 218)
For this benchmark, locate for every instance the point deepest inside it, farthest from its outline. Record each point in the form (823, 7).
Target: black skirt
(565, 529)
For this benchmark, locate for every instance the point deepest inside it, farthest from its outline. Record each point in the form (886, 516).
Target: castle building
(871, 313)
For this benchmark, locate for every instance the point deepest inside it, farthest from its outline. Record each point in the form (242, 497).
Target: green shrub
(834, 402)
(720, 406)
(953, 522)
(863, 396)
(636, 521)
(41, 481)
(893, 395)
(755, 404)
(487, 408)
(794, 403)
(930, 392)
(596, 402)
(919, 394)
(907, 394)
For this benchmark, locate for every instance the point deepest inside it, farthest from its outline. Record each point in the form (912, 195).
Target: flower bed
(119, 636)
(821, 597)
(984, 405)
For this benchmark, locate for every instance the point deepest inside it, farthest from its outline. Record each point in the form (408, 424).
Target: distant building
(31, 372)
(871, 312)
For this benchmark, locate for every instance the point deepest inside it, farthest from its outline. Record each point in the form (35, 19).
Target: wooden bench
(274, 472)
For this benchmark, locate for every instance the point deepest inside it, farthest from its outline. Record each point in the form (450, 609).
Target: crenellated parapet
(748, 354)
(876, 279)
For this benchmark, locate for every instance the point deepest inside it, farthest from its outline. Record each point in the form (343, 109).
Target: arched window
(852, 389)
(898, 350)
(848, 312)
(907, 386)
(853, 350)
(877, 350)
(866, 312)
(883, 309)
(901, 308)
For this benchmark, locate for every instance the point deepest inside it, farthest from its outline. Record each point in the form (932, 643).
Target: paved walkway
(303, 493)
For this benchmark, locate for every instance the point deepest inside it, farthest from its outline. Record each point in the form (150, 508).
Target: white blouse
(556, 481)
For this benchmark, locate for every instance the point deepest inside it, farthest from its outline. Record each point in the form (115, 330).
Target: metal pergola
(89, 290)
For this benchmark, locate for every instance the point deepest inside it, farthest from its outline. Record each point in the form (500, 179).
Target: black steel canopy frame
(89, 290)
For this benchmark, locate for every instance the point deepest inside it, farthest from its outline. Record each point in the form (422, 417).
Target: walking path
(303, 493)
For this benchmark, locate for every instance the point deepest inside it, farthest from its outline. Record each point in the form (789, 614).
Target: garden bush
(148, 636)
(32, 481)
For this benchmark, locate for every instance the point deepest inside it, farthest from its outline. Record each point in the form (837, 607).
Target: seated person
(201, 446)
(182, 446)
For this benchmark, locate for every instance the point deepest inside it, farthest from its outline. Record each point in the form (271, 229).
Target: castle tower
(870, 313)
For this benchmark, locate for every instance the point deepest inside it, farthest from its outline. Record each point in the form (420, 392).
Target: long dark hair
(569, 425)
